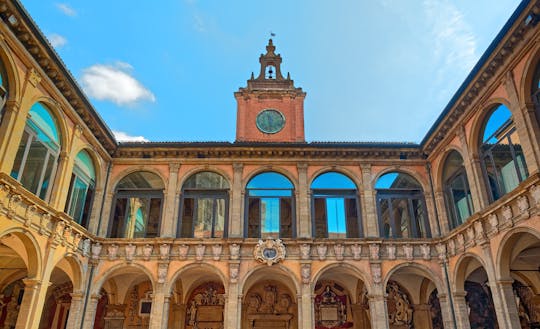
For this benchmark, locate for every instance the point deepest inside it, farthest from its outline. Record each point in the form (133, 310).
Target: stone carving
(426, 251)
(376, 272)
(391, 250)
(34, 77)
(479, 229)
(130, 252)
(164, 250)
(14, 202)
(331, 304)
(507, 213)
(270, 251)
(147, 251)
(306, 273)
(408, 251)
(86, 247)
(112, 251)
(460, 241)
(30, 213)
(199, 251)
(59, 229)
(305, 251)
(493, 223)
(470, 236)
(76, 240)
(205, 306)
(399, 307)
(234, 269)
(451, 247)
(234, 250)
(356, 250)
(43, 222)
(535, 193)
(374, 251)
(216, 251)
(271, 303)
(96, 250)
(183, 251)
(523, 204)
(441, 250)
(339, 250)
(321, 251)
(67, 233)
(4, 191)
(162, 272)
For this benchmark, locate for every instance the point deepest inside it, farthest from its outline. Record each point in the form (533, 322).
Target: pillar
(446, 310)
(377, 308)
(303, 212)
(90, 315)
(75, 310)
(461, 310)
(11, 119)
(166, 306)
(508, 303)
(231, 309)
(371, 227)
(58, 194)
(158, 316)
(236, 221)
(306, 308)
(168, 222)
(35, 292)
(422, 316)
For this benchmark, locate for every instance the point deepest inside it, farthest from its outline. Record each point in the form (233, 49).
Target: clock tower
(270, 108)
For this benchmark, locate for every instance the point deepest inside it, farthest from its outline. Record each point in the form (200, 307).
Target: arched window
(3, 87)
(501, 154)
(269, 204)
(203, 209)
(81, 188)
(335, 207)
(456, 190)
(535, 91)
(401, 207)
(36, 158)
(137, 206)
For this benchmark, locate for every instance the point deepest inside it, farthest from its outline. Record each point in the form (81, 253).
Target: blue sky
(379, 70)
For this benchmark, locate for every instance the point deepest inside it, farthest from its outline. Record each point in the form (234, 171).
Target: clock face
(270, 121)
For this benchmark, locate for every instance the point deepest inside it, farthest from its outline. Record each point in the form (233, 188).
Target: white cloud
(114, 83)
(454, 42)
(56, 40)
(124, 137)
(66, 9)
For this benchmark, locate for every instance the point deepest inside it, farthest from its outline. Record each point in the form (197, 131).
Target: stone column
(11, 130)
(422, 316)
(461, 310)
(303, 212)
(369, 217)
(306, 308)
(90, 315)
(168, 222)
(236, 221)
(508, 303)
(377, 307)
(106, 216)
(166, 307)
(75, 310)
(475, 177)
(231, 309)
(444, 217)
(58, 194)
(157, 314)
(359, 317)
(35, 292)
(447, 314)
(431, 218)
(95, 211)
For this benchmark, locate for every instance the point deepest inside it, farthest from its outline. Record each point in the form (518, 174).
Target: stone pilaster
(444, 216)
(508, 301)
(461, 310)
(158, 316)
(369, 217)
(446, 310)
(58, 194)
(33, 292)
(90, 315)
(166, 307)
(236, 221)
(377, 308)
(75, 310)
(168, 222)
(306, 308)
(231, 310)
(303, 203)
(11, 129)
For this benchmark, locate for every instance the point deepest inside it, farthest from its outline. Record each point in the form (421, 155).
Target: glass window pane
(401, 217)
(136, 218)
(319, 206)
(48, 176)
(269, 217)
(460, 196)
(353, 225)
(87, 206)
(420, 218)
(219, 221)
(141, 180)
(42, 118)
(254, 217)
(20, 155)
(333, 180)
(270, 180)
(84, 163)
(34, 165)
(386, 224)
(285, 218)
(187, 218)
(78, 198)
(154, 218)
(203, 223)
(396, 180)
(335, 208)
(269, 193)
(206, 180)
(119, 217)
(495, 124)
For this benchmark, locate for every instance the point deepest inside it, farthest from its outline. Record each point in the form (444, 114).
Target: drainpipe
(445, 265)
(92, 267)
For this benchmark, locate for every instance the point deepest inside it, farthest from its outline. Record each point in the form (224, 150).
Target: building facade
(270, 230)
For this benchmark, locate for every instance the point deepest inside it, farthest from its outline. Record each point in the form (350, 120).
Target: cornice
(15, 17)
(513, 35)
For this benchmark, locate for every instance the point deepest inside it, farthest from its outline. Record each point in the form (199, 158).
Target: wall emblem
(270, 251)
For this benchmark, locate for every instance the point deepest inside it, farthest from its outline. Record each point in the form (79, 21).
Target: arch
(460, 274)
(278, 272)
(75, 272)
(193, 171)
(349, 269)
(507, 248)
(418, 269)
(31, 249)
(265, 169)
(525, 84)
(56, 111)
(100, 280)
(414, 174)
(132, 169)
(12, 75)
(195, 267)
(340, 170)
(96, 160)
(438, 177)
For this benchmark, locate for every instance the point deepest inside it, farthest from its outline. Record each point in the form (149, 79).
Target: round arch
(277, 272)
(193, 171)
(337, 169)
(418, 269)
(347, 269)
(123, 268)
(460, 271)
(525, 84)
(266, 169)
(13, 77)
(58, 114)
(438, 177)
(194, 269)
(96, 160)
(507, 247)
(72, 266)
(398, 169)
(32, 251)
(132, 169)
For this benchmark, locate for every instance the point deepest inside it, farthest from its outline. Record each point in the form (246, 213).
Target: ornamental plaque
(270, 251)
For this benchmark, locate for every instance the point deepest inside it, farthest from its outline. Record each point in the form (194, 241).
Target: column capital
(32, 283)
(174, 167)
(238, 167)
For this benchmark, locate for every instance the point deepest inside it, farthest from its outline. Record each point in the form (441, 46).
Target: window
(401, 207)
(137, 206)
(3, 87)
(535, 91)
(205, 198)
(335, 207)
(457, 194)
(81, 189)
(269, 204)
(503, 162)
(36, 159)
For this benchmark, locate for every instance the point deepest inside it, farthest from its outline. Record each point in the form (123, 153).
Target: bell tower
(270, 108)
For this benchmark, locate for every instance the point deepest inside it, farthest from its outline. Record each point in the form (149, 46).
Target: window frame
(90, 185)
(197, 194)
(336, 193)
(460, 173)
